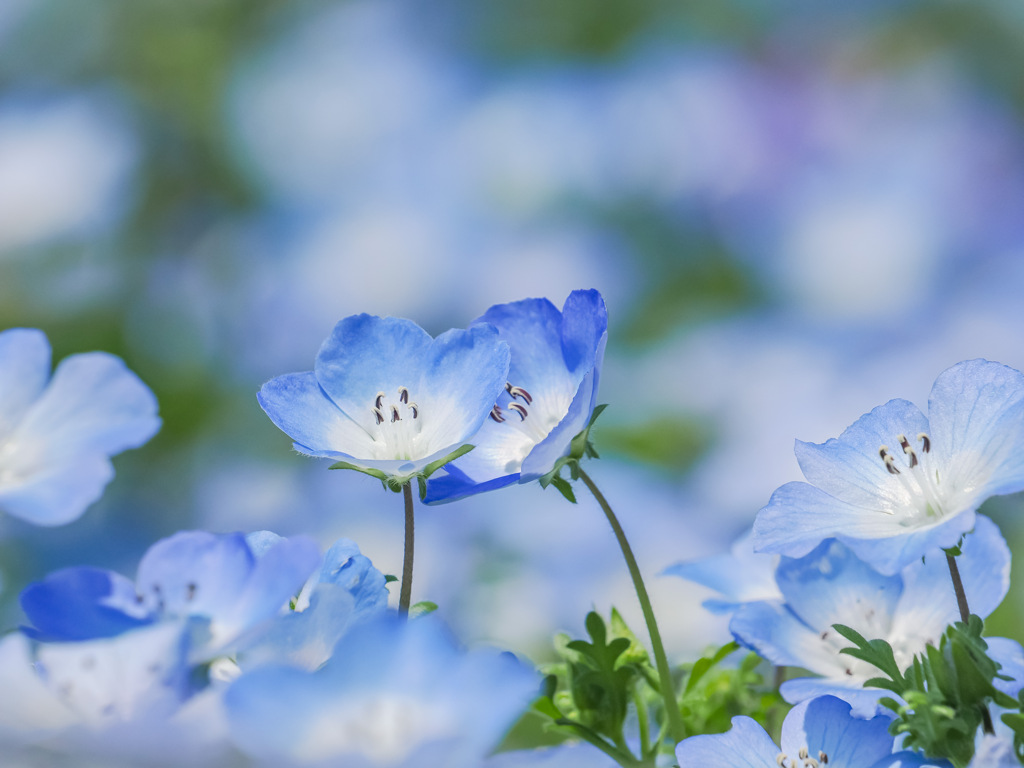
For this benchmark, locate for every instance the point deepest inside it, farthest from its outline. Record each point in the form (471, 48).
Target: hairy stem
(958, 587)
(405, 596)
(675, 721)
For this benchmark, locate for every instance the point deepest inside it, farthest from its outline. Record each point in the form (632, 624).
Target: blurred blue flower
(233, 587)
(817, 732)
(908, 610)
(386, 399)
(395, 693)
(57, 435)
(896, 484)
(549, 398)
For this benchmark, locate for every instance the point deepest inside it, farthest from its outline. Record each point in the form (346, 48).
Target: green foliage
(579, 448)
(945, 692)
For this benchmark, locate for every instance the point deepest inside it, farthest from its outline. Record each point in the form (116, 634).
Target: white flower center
(399, 427)
(803, 759)
(919, 477)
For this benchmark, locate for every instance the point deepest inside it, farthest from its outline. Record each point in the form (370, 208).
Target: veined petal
(831, 585)
(824, 724)
(544, 455)
(533, 330)
(890, 555)
(24, 371)
(928, 604)
(55, 494)
(850, 468)
(303, 411)
(584, 325)
(462, 376)
(774, 631)
(745, 745)
(365, 355)
(1010, 656)
(93, 404)
(451, 484)
(863, 701)
(976, 409)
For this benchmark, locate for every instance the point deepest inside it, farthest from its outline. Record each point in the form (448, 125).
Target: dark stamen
(379, 402)
(403, 394)
(190, 592)
(905, 444)
(394, 414)
(518, 409)
(496, 414)
(378, 415)
(415, 409)
(926, 444)
(517, 392)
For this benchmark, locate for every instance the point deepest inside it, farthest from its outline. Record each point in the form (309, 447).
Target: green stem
(675, 720)
(405, 596)
(624, 759)
(643, 722)
(958, 587)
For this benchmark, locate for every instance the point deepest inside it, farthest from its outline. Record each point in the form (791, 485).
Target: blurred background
(795, 212)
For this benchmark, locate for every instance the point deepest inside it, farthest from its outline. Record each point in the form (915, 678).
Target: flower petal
(24, 371)
(863, 701)
(775, 632)
(56, 494)
(824, 724)
(745, 745)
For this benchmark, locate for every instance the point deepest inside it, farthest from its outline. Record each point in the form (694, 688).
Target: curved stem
(675, 721)
(405, 597)
(623, 758)
(958, 587)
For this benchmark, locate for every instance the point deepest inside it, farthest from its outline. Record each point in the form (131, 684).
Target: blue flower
(817, 732)
(896, 484)
(386, 399)
(57, 435)
(233, 587)
(394, 693)
(549, 399)
(908, 610)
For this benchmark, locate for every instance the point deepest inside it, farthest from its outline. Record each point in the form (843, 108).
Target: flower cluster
(874, 577)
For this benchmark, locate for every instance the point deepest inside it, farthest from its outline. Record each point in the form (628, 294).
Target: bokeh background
(795, 210)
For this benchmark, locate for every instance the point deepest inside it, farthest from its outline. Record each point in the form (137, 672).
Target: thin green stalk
(623, 758)
(405, 597)
(675, 721)
(958, 587)
(643, 722)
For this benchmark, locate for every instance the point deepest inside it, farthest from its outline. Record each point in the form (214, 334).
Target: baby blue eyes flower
(897, 484)
(815, 734)
(387, 399)
(57, 434)
(549, 398)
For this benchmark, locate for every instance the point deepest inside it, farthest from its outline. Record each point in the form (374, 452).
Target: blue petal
(1010, 656)
(452, 484)
(891, 555)
(745, 745)
(57, 494)
(831, 585)
(346, 567)
(24, 371)
(365, 355)
(301, 409)
(824, 725)
(774, 631)
(976, 409)
(79, 604)
(533, 330)
(850, 468)
(863, 701)
(584, 325)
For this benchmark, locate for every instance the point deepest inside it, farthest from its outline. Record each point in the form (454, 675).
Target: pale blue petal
(24, 371)
(976, 409)
(365, 355)
(774, 631)
(93, 404)
(1010, 656)
(533, 330)
(831, 585)
(825, 725)
(345, 566)
(462, 376)
(863, 701)
(890, 555)
(584, 325)
(995, 751)
(850, 468)
(745, 745)
(557, 443)
(928, 604)
(301, 409)
(57, 494)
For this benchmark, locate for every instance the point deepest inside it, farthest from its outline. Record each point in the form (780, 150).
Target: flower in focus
(57, 434)
(815, 733)
(897, 484)
(908, 610)
(394, 693)
(548, 400)
(386, 399)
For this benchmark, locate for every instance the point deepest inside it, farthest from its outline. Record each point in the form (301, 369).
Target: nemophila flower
(226, 586)
(387, 399)
(815, 733)
(394, 693)
(549, 398)
(57, 434)
(897, 484)
(908, 610)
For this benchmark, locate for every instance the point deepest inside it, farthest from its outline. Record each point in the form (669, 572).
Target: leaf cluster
(579, 448)
(945, 692)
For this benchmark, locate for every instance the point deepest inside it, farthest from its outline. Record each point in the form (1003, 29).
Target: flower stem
(405, 596)
(675, 721)
(958, 587)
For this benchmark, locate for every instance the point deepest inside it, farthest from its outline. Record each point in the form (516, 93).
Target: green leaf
(433, 466)
(383, 477)
(705, 663)
(564, 487)
(389, 578)
(421, 608)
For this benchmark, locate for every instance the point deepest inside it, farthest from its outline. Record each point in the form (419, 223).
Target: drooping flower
(57, 434)
(907, 610)
(387, 399)
(896, 484)
(232, 586)
(549, 398)
(394, 693)
(818, 732)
